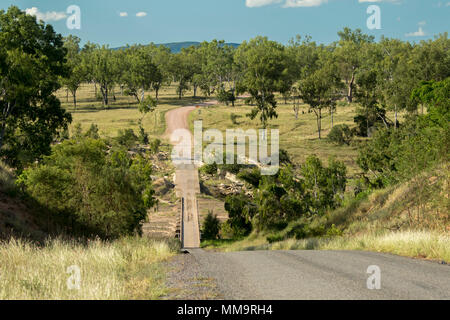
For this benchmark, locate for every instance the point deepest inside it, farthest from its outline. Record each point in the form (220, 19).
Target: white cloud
(141, 14)
(418, 33)
(260, 3)
(392, 1)
(123, 14)
(287, 3)
(46, 16)
(303, 3)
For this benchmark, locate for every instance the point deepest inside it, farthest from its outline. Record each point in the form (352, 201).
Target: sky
(118, 22)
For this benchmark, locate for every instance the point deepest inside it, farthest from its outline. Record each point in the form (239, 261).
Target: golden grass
(123, 269)
(417, 244)
(298, 137)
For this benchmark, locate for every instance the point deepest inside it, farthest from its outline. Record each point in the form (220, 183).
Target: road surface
(322, 275)
(187, 184)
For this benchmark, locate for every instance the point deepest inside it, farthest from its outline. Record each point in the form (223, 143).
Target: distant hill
(176, 47)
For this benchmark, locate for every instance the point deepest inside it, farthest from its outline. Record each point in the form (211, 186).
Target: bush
(211, 227)
(210, 169)
(143, 136)
(240, 211)
(104, 194)
(226, 96)
(155, 145)
(251, 176)
(341, 135)
(127, 138)
(92, 132)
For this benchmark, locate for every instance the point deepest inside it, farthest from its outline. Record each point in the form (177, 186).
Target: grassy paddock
(121, 113)
(418, 244)
(124, 269)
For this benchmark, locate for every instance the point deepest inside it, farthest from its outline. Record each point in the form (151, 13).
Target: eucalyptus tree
(77, 71)
(182, 70)
(161, 58)
(350, 56)
(105, 70)
(396, 77)
(140, 72)
(431, 58)
(32, 60)
(322, 88)
(263, 65)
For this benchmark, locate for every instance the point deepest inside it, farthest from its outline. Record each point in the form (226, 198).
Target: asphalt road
(322, 275)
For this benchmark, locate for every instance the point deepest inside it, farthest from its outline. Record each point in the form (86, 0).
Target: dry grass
(417, 244)
(124, 269)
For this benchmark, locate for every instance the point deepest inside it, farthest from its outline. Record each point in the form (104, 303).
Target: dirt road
(186, 182)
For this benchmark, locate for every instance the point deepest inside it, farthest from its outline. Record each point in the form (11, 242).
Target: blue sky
(119, 22)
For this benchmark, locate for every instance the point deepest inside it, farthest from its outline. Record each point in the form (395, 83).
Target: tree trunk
(157, 93)
(396, 117)
(319, 122)
(195, 91)
(74, 94)
(332, 118)
(350, 89)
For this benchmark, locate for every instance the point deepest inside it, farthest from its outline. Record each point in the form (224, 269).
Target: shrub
(240, 211)
(92, 132)
(104, 194)
(127, 138)
(210, 169)
(226, 96)
(155, 145)
(251, 176)
(211, 227)
(340, 135)
(143, 136)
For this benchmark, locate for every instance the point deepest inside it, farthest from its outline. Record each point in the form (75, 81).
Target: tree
(147, 105)
(32, 59)
(240, 211)
(182, 70)
(396, 77)
(102, 189)
(105, 70)
(211, 227)
(161, 58)
(77, 70)
(140, 73)
(324, 184)
(263, 66)
(350, 56)
(321, 89)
